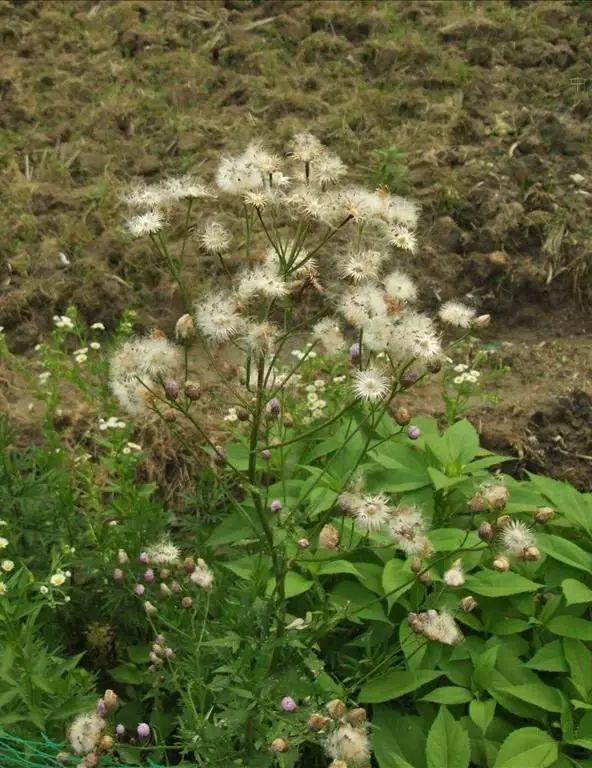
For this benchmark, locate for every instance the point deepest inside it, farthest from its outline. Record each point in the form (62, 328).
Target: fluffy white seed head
(348, 743)
(455, 313)
(370, 385)
(399, 286)
(215, 238)
(455, 575)
(328, 333)
(148, 223)
(361, 265)
(407, 528)
(85, 732)
(218, 317)
(517, 536)
(372, 512)
(163, 553)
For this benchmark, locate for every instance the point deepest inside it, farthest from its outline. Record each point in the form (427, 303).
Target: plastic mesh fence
(21, 753)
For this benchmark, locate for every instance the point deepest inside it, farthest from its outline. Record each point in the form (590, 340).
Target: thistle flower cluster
(160, 652)
(344, 734)
(439, 626)
(164, 575)
(298, 203)
(406, 525)
(89, 733)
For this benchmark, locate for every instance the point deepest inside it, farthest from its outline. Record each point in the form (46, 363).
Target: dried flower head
(202, 575)
(218, 317)
(148, 223)
(437, 626)
(455, 313)
(348, 743)
(85, 732)
(516, 537)
(215, 238)
(370, 385)
(408, 529)
(329, 537)
(455, 576)
(163, 553)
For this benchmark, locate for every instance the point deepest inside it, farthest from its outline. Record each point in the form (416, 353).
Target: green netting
(21, 753)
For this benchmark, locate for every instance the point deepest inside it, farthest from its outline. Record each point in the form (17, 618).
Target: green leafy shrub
(343, 583)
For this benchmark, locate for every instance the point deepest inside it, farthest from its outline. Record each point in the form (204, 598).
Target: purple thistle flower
(139, 589)
(143, 558)
(149, 575)
(414, 432)
(143, 731)
(120, 730)
(274, 407)
(171, 387)
(275, 505)
(288, 704)
(355, 352)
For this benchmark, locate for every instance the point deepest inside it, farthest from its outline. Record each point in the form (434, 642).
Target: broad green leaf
(357, 602)
(331, 567)
(571, 626)
(579, 661)
(447, 744)
(237, 526)
(397, 740)
(496, 584)
(395, 684)
(527, 747)
(549, 658)
(294, 584)
(441, 481)
(574, 506)
(396, 580)
(539, 694)
(484, 666)
(246, 567)
(127, 673)
(482, 713)
(565, 551)
(575, 592)
(448, 694)
(463, 441)
(449, 539)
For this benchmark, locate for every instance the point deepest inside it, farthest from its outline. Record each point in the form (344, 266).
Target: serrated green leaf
(448, 694)
(496, 584)
(481, 713)
(527, 747)
(395, 684)
(571, 626)
(538, 694)
(447, 744)
(579, 661)
(575, 592)
(549, 658)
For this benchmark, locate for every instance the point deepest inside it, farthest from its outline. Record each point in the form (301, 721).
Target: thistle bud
(186, 602)
(266, 454)
(219, 455)
(303, 543)
(355, 352)
(192, 390)
(426, 578)
(416, 565)
(316, 722)
(118, 575)
(414, 622)
(143, 731)
(435, 366)
(544, 515)
(149, 575)
(273, 407)
(189, 565)
(486, 532)
(501, 563)
(149, 608)
(164, 573)
(172, 389)
(496, 496)
(402, 416)
(532, 553)
(336, 709)
(288, 420)
(106, 743)
(242, 414)
(478, 503)
(175, 587)
(120, 730)
(143, 558)
(414, 432)
(122, 557)
(357, 715)
(329, 537)
(409, 378)
(111, 700)
(482, 321)
(276, 505)
(468, 604)
(185, 328)
(169, 415)
(280, 745)
(502, 521)
(165, 589)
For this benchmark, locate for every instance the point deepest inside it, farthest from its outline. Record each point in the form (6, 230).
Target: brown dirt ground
(490, 102)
